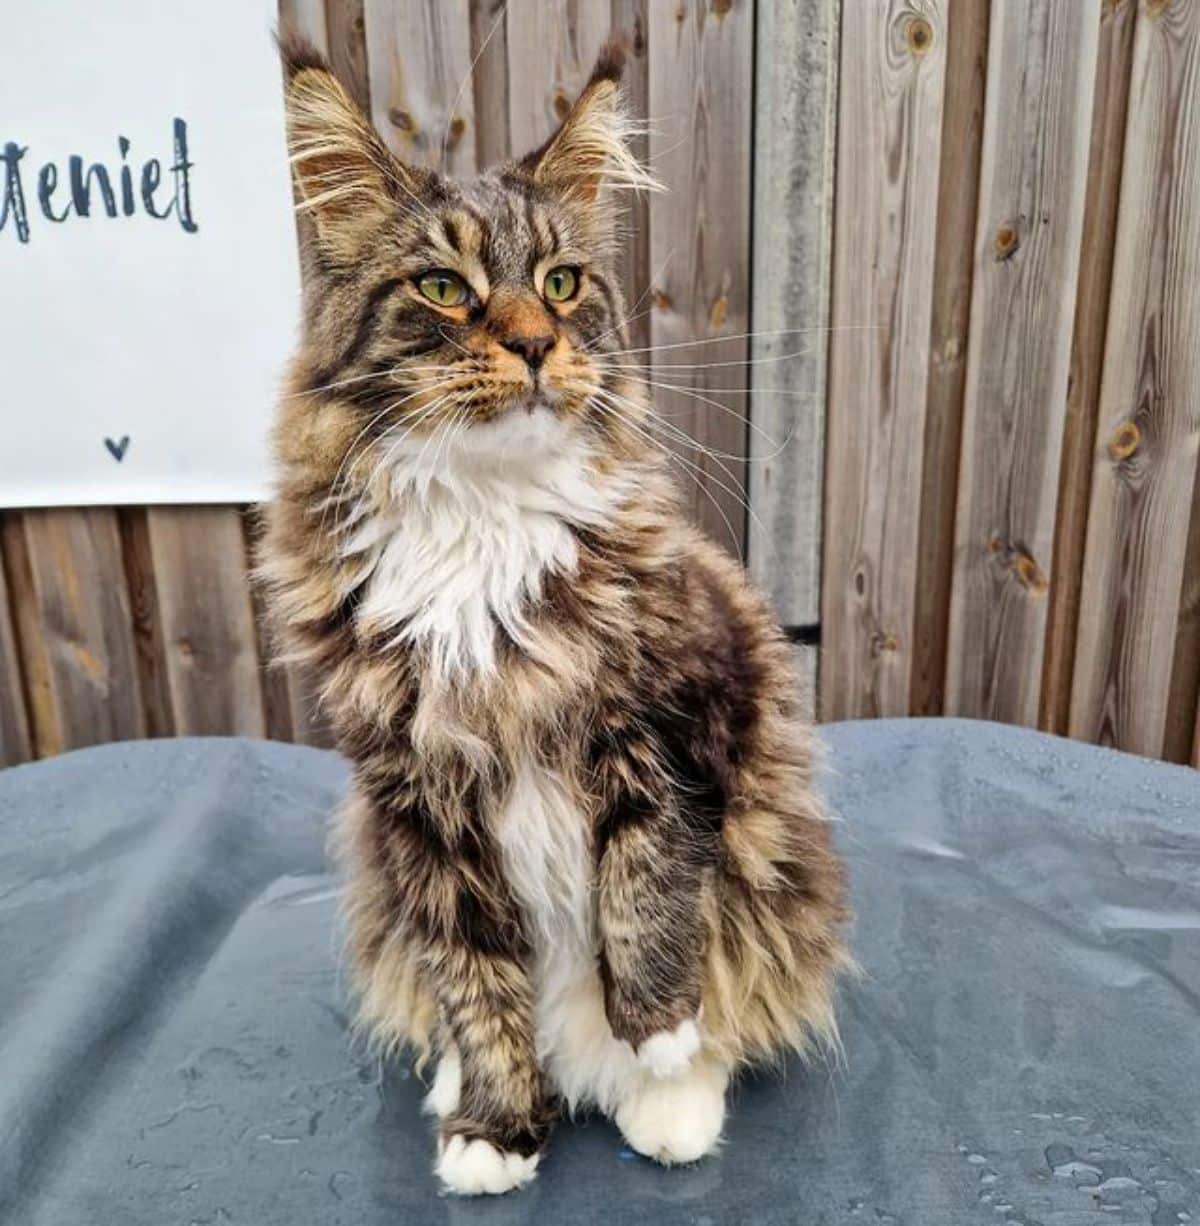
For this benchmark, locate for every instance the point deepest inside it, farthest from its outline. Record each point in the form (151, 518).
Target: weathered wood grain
(953, 271)
(489, 80)
(15, 743)
(552, 45)
(419, 63)
(795, 94)
(1107, 148)
(1041, 74)
(1180, 727)
(630, 27)
(307, 17)
(1145, 457)
(74, 628)
(208, 629)
(807, 664)
(147, 626)
(893, 62)
(348, 48)
(701, 103)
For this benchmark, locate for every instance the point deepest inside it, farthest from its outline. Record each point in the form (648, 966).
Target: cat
(586, 864)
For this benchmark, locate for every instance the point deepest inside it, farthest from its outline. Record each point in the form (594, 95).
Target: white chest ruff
(470, 536)
(546, 849)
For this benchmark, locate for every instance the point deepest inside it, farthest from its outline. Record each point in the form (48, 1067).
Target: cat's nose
(532, 348)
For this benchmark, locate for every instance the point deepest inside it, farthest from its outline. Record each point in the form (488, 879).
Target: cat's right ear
(347, 180)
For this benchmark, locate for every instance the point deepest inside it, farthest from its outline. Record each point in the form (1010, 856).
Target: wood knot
(1125, 442)
(1030, 574)
(721, 7)
(661, 299)
(561, 104)
(454, 133)
(359, 23)
(400, 120)
(718, 313)
(1006, 242)
(883, 641)
(918, 33)
(1156, 8)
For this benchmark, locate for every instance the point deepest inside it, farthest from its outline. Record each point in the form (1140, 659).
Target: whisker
(741, 336)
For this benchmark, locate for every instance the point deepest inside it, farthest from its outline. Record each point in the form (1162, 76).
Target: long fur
(586, 861)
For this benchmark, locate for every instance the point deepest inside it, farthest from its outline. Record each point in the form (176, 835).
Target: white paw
(443, 1096)
(471, 1168)
(676, 1121)
(670, 1052)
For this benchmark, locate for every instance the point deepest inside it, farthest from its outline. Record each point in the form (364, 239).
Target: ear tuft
(346, 178)
(610, 63)
(297, 53)
(590, 151)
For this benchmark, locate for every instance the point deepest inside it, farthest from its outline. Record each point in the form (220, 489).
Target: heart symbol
(117, 450)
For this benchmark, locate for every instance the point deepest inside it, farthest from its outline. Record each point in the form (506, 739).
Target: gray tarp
(1024, 1045)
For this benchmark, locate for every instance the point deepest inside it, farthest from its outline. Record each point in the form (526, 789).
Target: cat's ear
(590, 152)
(346, 178)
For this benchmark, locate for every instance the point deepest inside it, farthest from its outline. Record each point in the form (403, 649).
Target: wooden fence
(966, 239)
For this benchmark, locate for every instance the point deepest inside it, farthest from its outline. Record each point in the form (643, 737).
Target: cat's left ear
(590, 151)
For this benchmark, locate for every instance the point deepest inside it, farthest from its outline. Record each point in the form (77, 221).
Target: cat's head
(432, 302)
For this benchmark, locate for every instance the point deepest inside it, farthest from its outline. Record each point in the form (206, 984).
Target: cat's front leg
(653, 873)
(495, 1112)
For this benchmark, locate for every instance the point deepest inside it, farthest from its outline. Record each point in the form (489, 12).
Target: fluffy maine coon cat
(585, 864)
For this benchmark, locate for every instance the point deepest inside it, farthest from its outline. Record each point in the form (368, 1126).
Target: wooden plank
(552, 45)
(1041, 75)
(892, 73)
(630, 26)
(807, 663)
(701, 146)
(74, 627)
(15, 742)
(208, 631)
(489, 80)
(1180, 727)
(1114, 61)
(347, 33)
(794, 145)
(147, 627)
(1145, 457)
(308, 18)
(953, 273)
(422, 101)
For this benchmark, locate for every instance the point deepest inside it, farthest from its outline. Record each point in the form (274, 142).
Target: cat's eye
(560, 284)
(445, 288)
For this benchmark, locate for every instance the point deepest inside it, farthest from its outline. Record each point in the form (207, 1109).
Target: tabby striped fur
(586, 863)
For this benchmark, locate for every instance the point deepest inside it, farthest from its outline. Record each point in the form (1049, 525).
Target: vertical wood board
(15, 743)
(76, 630)
(1106, 153)
(701, 101)
(1041, 74)
(1149, 436)
(419, 64)
(208, 628)
(953, 272)
(794, 146)
(893, 62)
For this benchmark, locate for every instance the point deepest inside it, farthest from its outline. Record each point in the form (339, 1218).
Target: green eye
(561, 284)
(445, 288)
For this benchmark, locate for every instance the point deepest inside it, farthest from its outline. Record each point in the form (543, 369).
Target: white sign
(149, 285)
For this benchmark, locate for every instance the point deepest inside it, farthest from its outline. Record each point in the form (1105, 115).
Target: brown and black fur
(652, 678)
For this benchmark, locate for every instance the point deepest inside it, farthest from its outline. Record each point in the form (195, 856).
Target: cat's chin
(528, 427)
